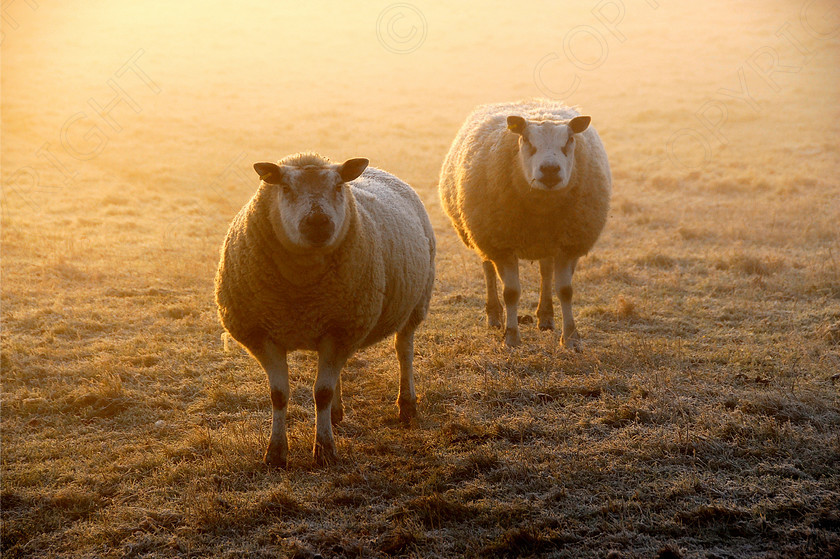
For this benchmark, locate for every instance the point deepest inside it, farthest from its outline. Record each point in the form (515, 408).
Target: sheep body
(368, 288)
(491, 205)
(275, 296)
(496, 211)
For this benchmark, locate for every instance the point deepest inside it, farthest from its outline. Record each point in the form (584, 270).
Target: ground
(701, 419)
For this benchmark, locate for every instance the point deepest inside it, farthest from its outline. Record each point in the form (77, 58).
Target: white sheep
(328, 258)
(527, 180)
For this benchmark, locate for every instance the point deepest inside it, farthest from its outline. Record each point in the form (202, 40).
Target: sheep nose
(550, 174)
(317, 227)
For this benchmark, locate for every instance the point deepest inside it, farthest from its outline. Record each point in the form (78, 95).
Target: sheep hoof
(276, 457)
(336, 415)
(546, 323)
(325, 453)
(512, 338)
(572, 342)
(408, 410)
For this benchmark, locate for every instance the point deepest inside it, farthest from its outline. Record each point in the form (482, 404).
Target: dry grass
(702, 418)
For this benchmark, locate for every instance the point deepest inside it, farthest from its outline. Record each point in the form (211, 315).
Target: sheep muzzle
(317, 228)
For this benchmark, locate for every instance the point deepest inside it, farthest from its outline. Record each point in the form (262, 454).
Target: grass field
(702, 418)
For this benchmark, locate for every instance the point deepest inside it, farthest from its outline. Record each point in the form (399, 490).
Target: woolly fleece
(376, 281)
(492, 207)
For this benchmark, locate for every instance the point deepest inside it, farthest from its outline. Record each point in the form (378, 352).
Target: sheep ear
(352, 168)
(580, 123)
(269, 172)
(516, 124)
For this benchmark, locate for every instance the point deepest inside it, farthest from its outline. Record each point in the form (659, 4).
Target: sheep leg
(545, 310)
(493, 307)
(564, 270)
(508, 269)
(273, 360)
(407, 399)
(330, 362)
(337, 410)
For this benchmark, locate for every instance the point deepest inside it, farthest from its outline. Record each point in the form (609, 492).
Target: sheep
(527, 180)
(329, 258)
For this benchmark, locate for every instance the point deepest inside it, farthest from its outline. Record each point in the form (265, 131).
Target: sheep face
(547, 150)
(311, 211)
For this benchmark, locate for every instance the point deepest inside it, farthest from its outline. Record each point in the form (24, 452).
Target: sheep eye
(569, 144)
(529, 147)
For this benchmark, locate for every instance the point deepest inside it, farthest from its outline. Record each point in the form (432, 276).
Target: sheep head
(547, 150)
(310, 198)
